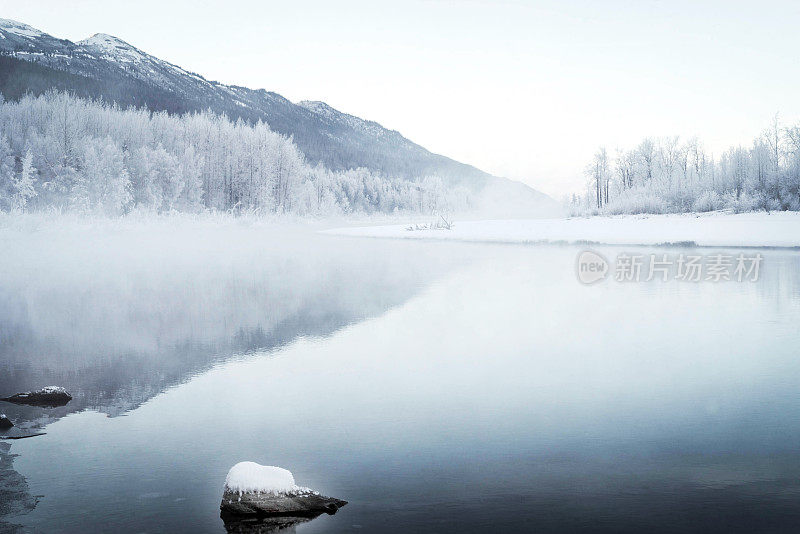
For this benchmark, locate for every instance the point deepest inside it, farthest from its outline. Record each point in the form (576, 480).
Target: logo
(591, 267)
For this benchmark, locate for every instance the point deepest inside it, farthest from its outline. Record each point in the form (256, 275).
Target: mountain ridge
(118, 71)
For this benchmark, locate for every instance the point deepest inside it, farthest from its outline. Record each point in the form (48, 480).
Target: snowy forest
(61, 152)
(670, 176)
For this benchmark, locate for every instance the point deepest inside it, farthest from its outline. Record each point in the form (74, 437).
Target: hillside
(106, 67)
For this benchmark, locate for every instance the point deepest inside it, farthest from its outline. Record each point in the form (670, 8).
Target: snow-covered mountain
(16, 36)
(107, 67)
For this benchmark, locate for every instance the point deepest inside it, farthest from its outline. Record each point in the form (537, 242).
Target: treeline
(670, 176)
(60, 151)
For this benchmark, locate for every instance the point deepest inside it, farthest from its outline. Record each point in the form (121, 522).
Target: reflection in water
(264, 525)
(488, 391)
(15, 497)
(118, 325)
(120, 319)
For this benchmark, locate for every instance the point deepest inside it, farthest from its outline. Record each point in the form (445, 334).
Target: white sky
(521, 89)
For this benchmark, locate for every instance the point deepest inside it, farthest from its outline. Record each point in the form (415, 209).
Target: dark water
(463, 388)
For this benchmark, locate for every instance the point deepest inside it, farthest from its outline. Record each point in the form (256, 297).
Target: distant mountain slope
(105, 66)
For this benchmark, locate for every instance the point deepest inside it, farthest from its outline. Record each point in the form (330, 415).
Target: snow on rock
(716, 229)
(47, 390)
(250, 476)
(52, 390)
(265, 490)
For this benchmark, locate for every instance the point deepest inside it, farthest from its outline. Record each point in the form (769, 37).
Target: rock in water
(300, 503)
(50, 396)
(262, 490)
(5, 422)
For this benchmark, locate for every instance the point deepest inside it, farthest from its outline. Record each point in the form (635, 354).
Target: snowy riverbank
(757, 229)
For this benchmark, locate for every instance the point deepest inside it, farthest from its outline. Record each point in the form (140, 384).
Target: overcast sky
(521, 89)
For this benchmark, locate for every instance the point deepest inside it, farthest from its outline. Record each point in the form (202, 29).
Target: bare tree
(773, 138)
(646, 153)
(598, 173)
(626, 168)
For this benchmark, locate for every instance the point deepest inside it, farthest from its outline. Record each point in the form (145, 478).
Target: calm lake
(437, 387)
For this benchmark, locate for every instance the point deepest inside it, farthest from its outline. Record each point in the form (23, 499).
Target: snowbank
(252, 477)
(776, 229)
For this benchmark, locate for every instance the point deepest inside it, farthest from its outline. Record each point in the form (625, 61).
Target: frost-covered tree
(668, 175)
(156, 178)
(6, 174)
(22, 184)
(190, 167)
(96, 157)
(102, 185)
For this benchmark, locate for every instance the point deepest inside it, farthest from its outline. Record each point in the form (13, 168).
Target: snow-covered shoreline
(715, 229)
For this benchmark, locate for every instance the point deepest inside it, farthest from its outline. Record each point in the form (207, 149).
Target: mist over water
(119, 311)
(438, 387)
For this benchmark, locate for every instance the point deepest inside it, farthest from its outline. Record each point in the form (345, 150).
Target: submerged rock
(258, 490)
(50, 396)
(5, 422)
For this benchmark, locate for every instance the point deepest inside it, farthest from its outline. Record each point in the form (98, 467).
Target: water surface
(484, 390)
